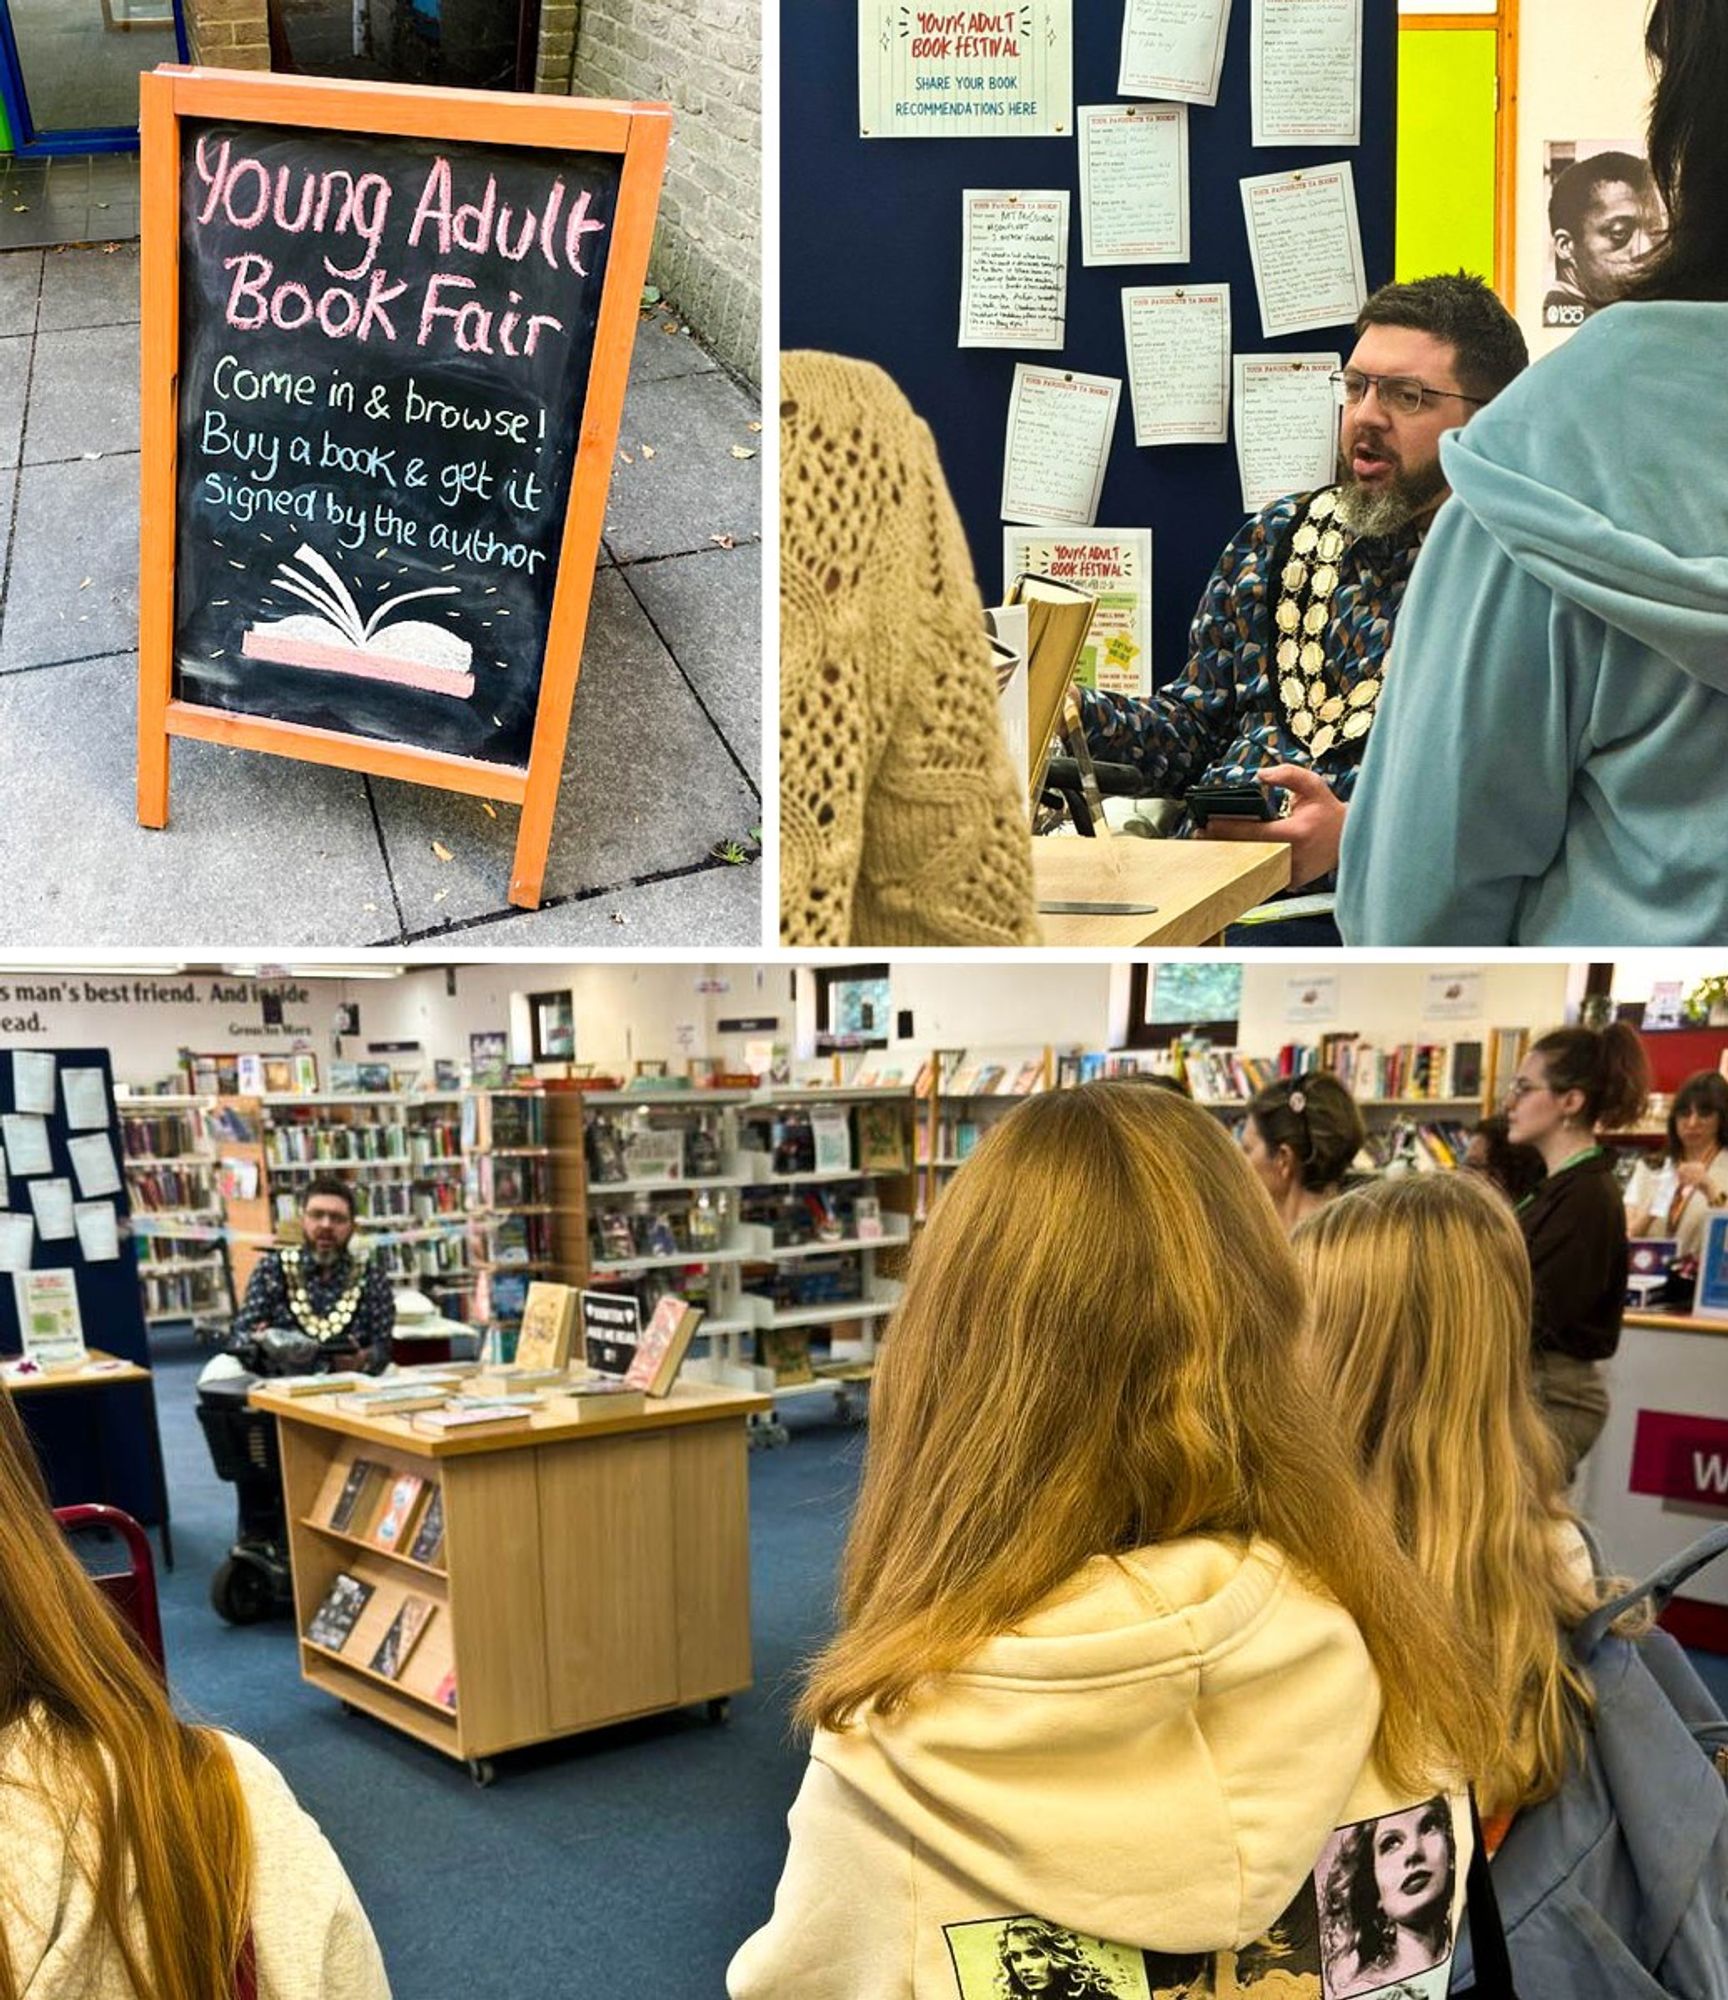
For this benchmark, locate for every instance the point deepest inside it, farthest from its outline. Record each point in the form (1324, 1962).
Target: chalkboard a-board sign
(386, 337)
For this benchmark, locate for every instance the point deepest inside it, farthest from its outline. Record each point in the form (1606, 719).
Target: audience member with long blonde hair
(1123, 1643)
(141, 1858)
(1421, 1345)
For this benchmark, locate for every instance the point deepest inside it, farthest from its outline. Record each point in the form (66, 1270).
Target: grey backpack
(1617, 1887)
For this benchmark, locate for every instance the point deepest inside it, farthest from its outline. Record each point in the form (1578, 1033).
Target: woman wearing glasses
(1300, 1137)
(1573, 1084)
(1547, 766)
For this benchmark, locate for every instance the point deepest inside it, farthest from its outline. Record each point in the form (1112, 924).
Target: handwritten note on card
(1306, 86)
(1286, 425)
(1059, 430)
(1306, 247)
(1133, 183)
(1173, 48)
(1178, 340)
(1014, 268)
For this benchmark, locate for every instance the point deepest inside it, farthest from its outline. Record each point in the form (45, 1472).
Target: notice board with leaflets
(64, 1165)
(387, 332)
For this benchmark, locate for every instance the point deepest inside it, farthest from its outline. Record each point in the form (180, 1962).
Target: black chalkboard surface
(385, 346)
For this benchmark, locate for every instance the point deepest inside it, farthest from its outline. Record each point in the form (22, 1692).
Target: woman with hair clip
(1676, 1198)
(141, 1858)
(1574, 1083)
(1300, 1136)
(1420, 1342)
(1123, 1643)
(1547, 763)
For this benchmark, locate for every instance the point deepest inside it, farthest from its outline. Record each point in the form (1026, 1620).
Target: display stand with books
(483, 1581)
(169, 1159)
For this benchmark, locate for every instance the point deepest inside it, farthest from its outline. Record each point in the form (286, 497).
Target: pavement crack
(750, 778)
(436, 933)
(384, 851)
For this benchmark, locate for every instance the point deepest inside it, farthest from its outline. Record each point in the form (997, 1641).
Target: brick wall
(704, 58)
(228, 34)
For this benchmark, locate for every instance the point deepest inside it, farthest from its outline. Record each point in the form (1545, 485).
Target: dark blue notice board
(870, 255)
(91, 1441)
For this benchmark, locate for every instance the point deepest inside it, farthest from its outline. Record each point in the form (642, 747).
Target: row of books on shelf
(508, 1180)
(170, 1187)
(162, 1135)
(375, 1203)
(509, 1119)
(224, 1075)
(1437, 1070)
(184, 1291)
(635, 1148)
(316, 1144)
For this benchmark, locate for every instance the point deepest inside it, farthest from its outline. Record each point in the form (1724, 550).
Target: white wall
(1581, 75)
(1385, 1003)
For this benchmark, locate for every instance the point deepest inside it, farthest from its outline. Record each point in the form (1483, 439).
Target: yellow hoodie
(1159, 1785)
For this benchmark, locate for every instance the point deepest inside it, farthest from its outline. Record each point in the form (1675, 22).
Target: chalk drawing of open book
(341, 640)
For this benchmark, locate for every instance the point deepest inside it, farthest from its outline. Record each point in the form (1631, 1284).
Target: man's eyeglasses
(1402, 394)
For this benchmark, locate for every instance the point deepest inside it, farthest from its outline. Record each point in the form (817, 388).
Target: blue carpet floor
(631, 1861)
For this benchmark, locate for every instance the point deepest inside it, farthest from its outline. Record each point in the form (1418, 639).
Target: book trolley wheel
(720, 1708)
(482, 1770)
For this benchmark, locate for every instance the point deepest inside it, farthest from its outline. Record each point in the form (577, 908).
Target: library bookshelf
(592, 1568)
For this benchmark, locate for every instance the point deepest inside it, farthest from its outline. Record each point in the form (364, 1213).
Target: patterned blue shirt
(1221, 720)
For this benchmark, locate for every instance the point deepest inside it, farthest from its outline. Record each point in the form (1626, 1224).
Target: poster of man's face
(1604, 219)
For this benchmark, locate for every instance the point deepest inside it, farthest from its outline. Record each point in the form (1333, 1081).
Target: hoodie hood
(1614, 495)
(1156, 1755)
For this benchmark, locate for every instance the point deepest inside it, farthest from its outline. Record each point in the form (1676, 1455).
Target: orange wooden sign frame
(639, 133)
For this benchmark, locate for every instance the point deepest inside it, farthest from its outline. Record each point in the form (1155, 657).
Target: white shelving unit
(736, 1335)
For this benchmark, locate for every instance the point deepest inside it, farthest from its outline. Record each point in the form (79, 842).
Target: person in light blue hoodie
(1550, 762)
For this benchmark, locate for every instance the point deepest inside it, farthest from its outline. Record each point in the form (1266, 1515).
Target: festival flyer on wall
(1115, 565)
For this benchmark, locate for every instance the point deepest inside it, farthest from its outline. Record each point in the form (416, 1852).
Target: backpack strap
(1659, 1586)
(1491, 1962)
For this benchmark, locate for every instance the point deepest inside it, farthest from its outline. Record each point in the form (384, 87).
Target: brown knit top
(900, 819)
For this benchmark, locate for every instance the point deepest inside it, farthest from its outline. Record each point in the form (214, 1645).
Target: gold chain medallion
(1321, 710)
(323, 1325)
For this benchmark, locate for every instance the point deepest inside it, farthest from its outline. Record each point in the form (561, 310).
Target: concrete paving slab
(648, 787)
(20, 283)
(89, 287)
(257, 849)
(664, 348)
(83, 394)
(8, 482)
(708, 611)
(73, 521)
(14, 381)
(718, 905)
(692, 488)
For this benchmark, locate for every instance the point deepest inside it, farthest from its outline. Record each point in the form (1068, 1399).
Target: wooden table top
(1676, 1322)
(689, 1403)
(1199, 886)
(98, 1368)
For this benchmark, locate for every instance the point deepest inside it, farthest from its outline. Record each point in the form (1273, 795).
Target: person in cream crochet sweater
(900, 819)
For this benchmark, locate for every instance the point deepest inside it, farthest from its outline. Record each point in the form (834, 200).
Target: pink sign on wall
(1679, 1457)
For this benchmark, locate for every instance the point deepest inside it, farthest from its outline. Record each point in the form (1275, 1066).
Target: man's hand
(1313, 827)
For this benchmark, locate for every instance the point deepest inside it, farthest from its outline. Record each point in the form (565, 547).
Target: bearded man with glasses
(1289, 644)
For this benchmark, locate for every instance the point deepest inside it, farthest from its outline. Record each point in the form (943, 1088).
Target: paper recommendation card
(1306, 247)
(1060, 424)
(1014, 267)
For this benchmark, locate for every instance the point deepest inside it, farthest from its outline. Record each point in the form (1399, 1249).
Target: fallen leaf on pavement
(724, 541)
(491, 811)
(443, 853)
(628, 460)
(742, 451)
(752, 427)
(647, 451)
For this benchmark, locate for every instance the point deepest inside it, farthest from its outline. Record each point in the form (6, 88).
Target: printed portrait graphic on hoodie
(1386, 1899)
(1024, 1956)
